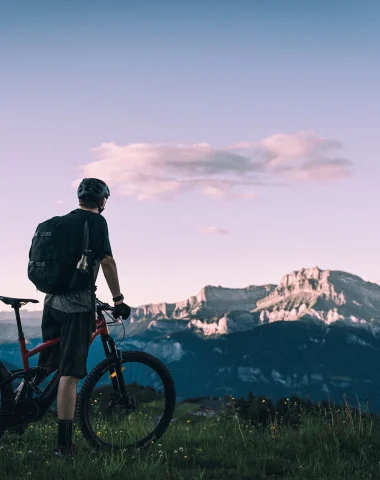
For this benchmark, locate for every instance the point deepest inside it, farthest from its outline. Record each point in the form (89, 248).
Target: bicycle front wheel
(103, 418)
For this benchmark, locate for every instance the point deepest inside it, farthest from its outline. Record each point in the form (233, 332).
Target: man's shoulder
(100, 221)
(95, 218)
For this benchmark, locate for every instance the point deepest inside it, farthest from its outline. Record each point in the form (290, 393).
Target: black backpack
(57, 247)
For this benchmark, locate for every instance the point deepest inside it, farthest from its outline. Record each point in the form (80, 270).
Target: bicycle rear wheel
(6, 398)
(104, 420)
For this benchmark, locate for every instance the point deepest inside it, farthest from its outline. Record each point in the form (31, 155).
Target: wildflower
(187, 421)
(185, 456)
(175, 451)
(180, 449)
(99, 433)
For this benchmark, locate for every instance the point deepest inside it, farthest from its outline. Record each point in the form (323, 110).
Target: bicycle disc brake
(119, 405)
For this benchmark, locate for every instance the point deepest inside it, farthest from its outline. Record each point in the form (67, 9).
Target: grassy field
(334, 445)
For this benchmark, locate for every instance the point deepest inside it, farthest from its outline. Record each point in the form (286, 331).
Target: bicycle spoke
(109, 418)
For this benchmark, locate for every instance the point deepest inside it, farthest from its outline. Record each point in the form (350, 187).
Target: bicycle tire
(6, 396)
(82, 408)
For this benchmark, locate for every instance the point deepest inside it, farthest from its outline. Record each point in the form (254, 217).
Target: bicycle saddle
(13, 302)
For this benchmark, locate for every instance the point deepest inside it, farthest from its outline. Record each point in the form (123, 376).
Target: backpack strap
(90, 253)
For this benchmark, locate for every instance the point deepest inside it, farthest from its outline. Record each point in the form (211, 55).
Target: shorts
(70, 355)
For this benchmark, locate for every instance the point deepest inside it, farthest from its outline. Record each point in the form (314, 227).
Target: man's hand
(121, 310)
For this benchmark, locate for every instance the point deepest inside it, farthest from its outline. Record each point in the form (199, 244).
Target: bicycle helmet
(92, 189)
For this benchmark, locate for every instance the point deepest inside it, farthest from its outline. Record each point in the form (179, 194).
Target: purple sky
(239, 141)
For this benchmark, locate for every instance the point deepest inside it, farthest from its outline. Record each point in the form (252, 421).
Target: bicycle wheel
(6, 398)
(106, 423)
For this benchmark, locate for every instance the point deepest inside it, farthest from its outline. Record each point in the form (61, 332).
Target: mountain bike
(112, 411)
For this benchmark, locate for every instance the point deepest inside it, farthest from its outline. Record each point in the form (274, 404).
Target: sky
(239, 139)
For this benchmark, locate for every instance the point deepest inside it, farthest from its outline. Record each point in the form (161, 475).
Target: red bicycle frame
(101, 329)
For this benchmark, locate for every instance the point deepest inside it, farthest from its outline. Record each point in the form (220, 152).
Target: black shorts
(70, 355)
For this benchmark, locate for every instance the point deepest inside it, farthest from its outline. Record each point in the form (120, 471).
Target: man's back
(80, 300)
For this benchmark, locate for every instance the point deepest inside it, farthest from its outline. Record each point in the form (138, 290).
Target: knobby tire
(6, 394)
(82, 408)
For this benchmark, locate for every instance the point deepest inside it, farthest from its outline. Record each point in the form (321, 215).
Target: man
(72, 315)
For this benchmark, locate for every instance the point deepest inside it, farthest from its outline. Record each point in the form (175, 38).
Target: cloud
(321, 169)
(165, 171)
(215, 231)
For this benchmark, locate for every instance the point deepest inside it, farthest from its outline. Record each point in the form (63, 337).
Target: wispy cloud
(215, 231)
(164, 171)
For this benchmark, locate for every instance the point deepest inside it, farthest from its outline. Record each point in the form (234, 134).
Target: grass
(334, 445)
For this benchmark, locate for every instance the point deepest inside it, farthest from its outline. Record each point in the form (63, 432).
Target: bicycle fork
(116, 371)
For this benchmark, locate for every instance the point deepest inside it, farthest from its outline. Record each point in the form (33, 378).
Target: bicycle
(104, 413)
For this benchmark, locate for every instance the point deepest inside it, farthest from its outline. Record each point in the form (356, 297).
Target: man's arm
(110, 272)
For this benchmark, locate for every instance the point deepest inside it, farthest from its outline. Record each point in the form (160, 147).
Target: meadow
(245, 440)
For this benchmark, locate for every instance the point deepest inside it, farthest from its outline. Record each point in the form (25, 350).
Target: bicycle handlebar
(101, 306)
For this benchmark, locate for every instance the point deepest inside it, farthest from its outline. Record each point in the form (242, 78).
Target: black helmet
(92, 189)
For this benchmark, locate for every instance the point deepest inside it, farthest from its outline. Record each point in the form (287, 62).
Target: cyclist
(72, 315)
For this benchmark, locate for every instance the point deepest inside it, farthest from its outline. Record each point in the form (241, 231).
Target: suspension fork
(115, 370)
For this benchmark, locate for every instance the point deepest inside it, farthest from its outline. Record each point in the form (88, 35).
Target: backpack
(57, 247)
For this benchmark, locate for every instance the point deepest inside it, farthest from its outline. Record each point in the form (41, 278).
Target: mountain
(315, 334)
(322, 296)
(328, 296)
(29, 317)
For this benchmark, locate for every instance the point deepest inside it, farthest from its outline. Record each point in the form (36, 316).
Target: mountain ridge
(325, 296)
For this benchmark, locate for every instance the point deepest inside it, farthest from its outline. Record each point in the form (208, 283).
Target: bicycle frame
(101, 329)
(31, 375)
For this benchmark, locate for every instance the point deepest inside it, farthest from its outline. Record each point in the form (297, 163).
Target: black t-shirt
(98, 234)
(99, 243)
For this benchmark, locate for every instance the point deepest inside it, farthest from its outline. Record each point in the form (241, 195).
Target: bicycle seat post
(18, 320)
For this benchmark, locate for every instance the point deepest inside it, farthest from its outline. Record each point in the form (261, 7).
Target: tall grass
(329, 443)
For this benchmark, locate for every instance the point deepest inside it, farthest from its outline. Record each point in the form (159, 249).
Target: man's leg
(66, 401)
(67, 396)
(75, 343)
(51, 328)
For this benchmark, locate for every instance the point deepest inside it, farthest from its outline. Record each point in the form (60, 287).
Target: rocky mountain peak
(325, 295)
(307, 284)
(210, 301)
